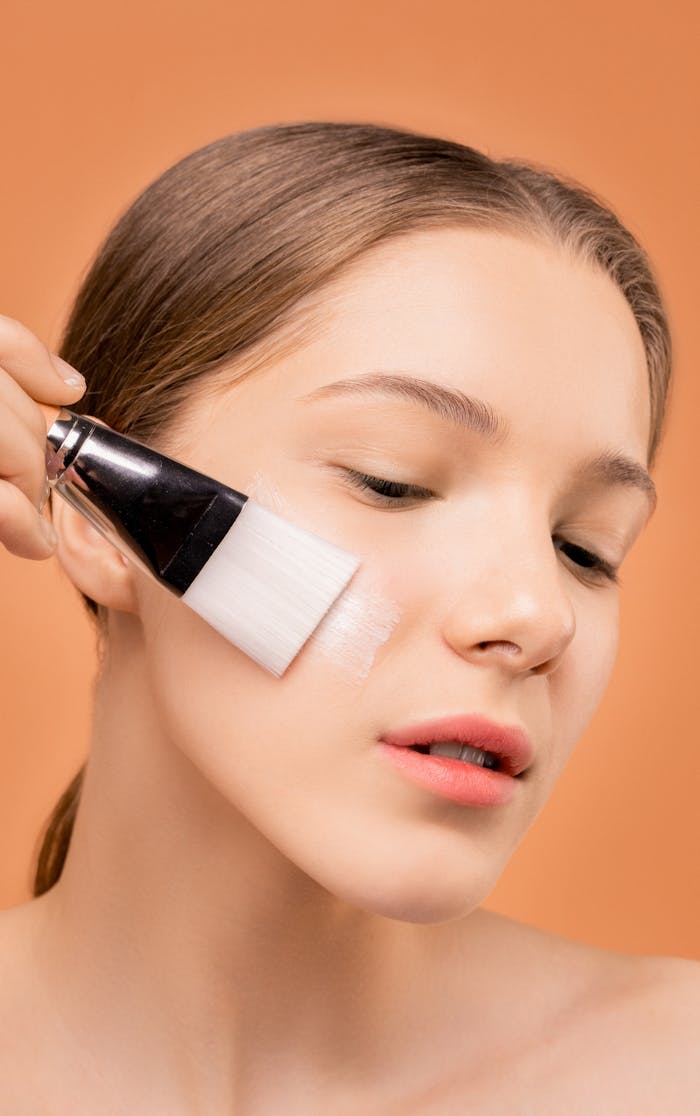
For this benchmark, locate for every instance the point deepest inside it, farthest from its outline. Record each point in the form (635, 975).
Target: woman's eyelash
(392, 491)
(389, 490)
(597, 566)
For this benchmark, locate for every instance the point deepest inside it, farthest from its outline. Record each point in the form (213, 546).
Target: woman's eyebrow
(448, 403)
(609, 467)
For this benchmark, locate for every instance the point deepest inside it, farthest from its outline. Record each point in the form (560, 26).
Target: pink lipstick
(469, 780)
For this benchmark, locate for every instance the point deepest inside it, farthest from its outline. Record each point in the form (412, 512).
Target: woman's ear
(92, 563)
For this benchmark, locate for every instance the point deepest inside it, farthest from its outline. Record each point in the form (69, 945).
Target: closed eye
(387, 489)
(391, 492)
(597, 566)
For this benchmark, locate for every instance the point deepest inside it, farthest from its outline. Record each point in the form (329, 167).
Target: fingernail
(67, 373)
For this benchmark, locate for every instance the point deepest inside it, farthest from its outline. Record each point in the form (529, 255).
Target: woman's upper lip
(510, 742)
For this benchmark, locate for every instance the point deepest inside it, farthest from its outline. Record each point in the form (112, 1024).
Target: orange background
(98, 99)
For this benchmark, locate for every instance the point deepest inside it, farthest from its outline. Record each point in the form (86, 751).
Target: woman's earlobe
(93, 564)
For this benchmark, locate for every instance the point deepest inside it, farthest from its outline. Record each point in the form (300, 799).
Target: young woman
(457, 369)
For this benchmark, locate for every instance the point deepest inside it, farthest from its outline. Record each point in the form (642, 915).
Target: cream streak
(356, 626)
(360, 620)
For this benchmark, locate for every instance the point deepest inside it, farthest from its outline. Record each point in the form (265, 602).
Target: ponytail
(54, 846)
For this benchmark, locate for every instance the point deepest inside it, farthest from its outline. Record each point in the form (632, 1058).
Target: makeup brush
(262, 582)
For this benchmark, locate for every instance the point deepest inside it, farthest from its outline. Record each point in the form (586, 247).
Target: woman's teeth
(454, 750)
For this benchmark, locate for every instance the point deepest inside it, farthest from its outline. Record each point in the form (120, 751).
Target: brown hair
(210, 261)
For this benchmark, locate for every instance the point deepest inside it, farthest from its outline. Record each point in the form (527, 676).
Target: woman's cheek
(361, 619)
(356, 626)
(578, 684)
(396, 592)
(599, 628)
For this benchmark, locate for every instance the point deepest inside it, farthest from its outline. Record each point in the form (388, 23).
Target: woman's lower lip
(465, 783)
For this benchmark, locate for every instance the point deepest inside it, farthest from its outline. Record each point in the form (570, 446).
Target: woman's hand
(29, 376)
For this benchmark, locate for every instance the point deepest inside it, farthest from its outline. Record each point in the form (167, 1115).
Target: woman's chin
(420, 901)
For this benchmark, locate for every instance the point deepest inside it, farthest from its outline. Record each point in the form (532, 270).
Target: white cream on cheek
(359, 621)
(356, 626)
(264, 492)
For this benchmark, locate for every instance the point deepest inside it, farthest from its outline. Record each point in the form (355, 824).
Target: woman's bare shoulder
(25, 1025)
(665, 1005)
(647, 1038)
(606, 1030)
(651, 993)
(637, 1034)
(15, 928)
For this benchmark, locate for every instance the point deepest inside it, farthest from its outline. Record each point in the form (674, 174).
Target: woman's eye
(391, 491)
(597, 567)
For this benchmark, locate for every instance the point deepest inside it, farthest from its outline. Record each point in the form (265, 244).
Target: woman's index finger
(28, 361)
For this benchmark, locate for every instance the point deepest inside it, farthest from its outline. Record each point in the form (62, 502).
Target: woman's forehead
(512, 321)
(487, 288)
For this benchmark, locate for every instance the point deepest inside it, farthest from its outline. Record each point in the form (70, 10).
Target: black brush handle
(170, 518)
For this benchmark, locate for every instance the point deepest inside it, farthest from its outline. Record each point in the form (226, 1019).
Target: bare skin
(567, 1028)
(267, 920)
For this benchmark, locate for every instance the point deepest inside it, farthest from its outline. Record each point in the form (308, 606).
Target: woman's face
(471, 596)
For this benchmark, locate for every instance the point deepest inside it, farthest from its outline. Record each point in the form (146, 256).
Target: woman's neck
(190, 957)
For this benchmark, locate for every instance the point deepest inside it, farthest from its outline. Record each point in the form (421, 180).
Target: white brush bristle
(268, 585)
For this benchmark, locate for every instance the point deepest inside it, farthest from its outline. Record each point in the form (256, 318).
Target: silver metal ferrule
(163, 515)
(64, 441)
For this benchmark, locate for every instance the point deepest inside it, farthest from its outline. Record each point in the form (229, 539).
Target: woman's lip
(510, 742)
(464, 783)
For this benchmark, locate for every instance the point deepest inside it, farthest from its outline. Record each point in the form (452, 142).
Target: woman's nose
(513, 610)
